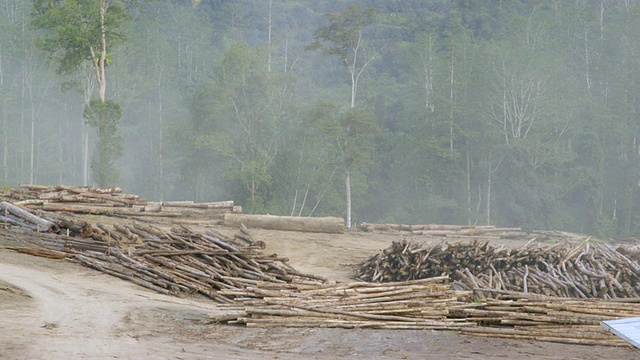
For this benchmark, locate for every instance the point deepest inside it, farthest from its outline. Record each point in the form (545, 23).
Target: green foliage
(105, 116)
(343, 31)
(350, 132)
(245, 103)
(70, 29)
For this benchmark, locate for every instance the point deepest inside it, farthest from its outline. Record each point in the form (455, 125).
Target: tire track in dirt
(61, 320)
(82, 314)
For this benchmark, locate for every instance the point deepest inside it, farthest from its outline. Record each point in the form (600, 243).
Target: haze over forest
(510, 113)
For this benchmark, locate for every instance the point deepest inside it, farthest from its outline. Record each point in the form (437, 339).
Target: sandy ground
(55, 309)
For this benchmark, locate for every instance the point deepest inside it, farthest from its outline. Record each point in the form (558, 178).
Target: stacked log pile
(439, 232)
(113, 202)
(428, 304)
(419, 304)
(585, 270)
(531, 317)
(182, 261)
(451, 232)
(535, 317)
(170, 262)
(198, 213)
(48, 244)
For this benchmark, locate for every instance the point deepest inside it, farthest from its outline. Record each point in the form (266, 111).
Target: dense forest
(515, 113)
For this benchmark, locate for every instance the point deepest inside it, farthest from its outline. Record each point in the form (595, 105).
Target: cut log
(41, 252)
(36, 187)
(384, 227)
(101, 210)
(41, 224)
(100, 195)
(333, 225)
(191, 204)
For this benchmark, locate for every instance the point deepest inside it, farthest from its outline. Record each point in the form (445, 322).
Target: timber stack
(420, 304)
(428, 304)
(171, 262)
(488, 232)
(184, 261)
(113, 202)
(584, 270)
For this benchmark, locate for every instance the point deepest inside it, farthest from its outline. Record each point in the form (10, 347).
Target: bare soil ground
(55, 309)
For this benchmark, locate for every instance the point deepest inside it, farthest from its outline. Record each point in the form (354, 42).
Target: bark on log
(191, 204)
(101, 210)
(100, 195)
(36, 187)
(333, 225)
(42, 224)
(384, 227)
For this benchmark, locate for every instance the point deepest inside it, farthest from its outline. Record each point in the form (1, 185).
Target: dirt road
(55, 309)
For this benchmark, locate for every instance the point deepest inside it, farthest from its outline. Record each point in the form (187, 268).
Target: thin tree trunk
(22, 126)
(85, 160)
(87, 92)
(61, 164)
(468, 185)
(451, 104)
(5, 149)
(489, 200)
(348, 186)
(1, 69)
(286, 54)
(160, 151)
(33, 141)
(269, 39)
(102, 80)
(488, 208)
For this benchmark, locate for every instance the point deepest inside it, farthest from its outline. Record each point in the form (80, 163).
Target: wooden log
(42, 224)
(15, 221)
(440, 227)
(99, 210)
(39, 251)
(384, 227)
(191, 204)
(112, 233)
(27, 202)
(106, 268)
(333, 225)
(203, 222)
(555, 337)
(152, 207)
(36, 187)
(101, 195)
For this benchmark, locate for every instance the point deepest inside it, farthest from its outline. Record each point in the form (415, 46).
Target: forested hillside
(514, 113)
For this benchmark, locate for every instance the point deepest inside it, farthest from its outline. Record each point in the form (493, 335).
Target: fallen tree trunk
(332, 225)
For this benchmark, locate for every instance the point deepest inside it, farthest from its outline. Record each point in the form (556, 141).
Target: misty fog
(509, 113)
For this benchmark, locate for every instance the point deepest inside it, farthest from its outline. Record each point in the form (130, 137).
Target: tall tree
(75, 31)
(343, 37)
